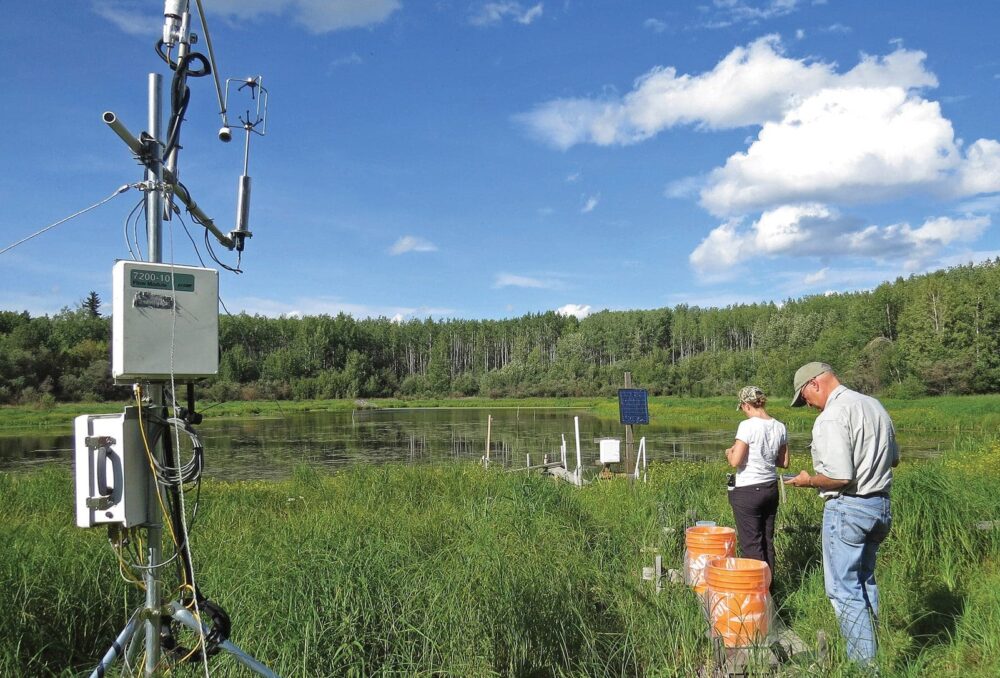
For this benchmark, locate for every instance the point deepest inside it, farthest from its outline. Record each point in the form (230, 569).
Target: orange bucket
(739, 605)
(705, 543)
(738, 574)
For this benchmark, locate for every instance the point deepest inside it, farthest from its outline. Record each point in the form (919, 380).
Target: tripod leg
(116, 647)
(136, 644)
(188, 619)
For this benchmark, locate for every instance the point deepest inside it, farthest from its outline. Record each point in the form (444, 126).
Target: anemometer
(128, 474)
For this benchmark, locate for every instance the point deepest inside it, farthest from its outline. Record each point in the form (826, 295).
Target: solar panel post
(629, 441)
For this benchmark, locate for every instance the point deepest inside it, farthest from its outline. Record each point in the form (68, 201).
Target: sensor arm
(227, 241)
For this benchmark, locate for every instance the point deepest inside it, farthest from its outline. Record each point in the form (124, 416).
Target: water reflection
(272, 447)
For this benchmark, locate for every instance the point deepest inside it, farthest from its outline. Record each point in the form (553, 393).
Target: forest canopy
(937, 333)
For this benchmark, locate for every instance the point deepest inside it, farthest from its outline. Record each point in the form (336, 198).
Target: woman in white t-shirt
(761, 446)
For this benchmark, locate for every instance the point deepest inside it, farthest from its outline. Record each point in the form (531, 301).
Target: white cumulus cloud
(351, 59)
(491, 13)
(514, 280)
(590, 204)
(817, 230)
(739, 10)
(981, 171)
(654, 25)
(411, 243)
(817, 277)
(130, 16)
(581, 311)
(851, 143)
(511, 280)
(749, 86)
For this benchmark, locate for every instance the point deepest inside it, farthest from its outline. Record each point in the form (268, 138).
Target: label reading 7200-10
(160, 280)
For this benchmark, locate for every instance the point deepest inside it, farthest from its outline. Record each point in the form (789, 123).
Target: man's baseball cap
(802, 376)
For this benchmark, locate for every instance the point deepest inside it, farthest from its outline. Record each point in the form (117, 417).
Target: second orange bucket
(704, 543)
(738, 602)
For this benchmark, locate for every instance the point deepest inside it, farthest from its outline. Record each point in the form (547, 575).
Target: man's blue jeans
(853, 528)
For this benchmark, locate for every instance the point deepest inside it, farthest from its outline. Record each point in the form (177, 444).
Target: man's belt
(883, 494)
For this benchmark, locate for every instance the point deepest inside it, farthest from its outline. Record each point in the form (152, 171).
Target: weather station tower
(129, 475)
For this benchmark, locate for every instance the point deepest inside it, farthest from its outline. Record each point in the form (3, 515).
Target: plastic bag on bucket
(738, 601)
(705, 543)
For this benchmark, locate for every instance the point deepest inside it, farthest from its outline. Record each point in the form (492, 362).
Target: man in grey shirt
(854, 451)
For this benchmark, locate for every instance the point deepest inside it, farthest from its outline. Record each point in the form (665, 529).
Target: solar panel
(633, 406)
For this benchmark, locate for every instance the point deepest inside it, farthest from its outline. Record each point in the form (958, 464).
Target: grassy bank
(979, 413)
(456, 571)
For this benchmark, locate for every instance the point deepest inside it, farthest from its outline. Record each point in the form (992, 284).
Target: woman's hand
(783, 458)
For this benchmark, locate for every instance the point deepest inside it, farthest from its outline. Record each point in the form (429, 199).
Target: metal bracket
(99, 503)
(97, 442)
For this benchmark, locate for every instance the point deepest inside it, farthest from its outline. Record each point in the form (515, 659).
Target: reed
(455, 570)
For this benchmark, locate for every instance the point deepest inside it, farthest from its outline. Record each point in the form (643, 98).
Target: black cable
(190, 418)
(217, 632)
(208, 242)
(210, 614)
(211, 253)
(188, 233)
(173, 500)
(180, 94)
(177, 111)
(128, 220)
(163, 55)
(206, 68)
(135, 228)
(170, 475)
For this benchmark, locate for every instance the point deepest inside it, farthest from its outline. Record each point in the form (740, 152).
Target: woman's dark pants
(754, 507)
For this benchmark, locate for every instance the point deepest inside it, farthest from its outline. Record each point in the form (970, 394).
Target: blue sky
(469, 159)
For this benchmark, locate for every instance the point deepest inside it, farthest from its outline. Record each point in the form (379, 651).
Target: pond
(271, 447)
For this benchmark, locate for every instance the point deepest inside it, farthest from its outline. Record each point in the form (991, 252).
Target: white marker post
(579, 465)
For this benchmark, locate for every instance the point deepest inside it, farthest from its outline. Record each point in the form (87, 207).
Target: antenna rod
(215, 69)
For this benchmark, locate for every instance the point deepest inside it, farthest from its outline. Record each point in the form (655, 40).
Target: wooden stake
(629, 439)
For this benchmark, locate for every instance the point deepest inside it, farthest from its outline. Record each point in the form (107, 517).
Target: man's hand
(801, 480)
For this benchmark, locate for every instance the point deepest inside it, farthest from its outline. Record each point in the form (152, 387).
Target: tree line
(937, 333)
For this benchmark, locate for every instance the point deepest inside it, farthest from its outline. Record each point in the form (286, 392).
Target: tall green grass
(459, 571)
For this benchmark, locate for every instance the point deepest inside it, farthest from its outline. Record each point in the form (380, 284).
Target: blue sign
(633, 405)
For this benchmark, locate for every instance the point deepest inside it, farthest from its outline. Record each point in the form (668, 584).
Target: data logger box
(111, 469)
(610, 450)
(165, 322)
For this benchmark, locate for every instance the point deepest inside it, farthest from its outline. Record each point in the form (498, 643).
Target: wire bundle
(190, 471)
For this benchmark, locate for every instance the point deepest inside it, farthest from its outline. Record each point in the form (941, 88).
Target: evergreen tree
(92, 305)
